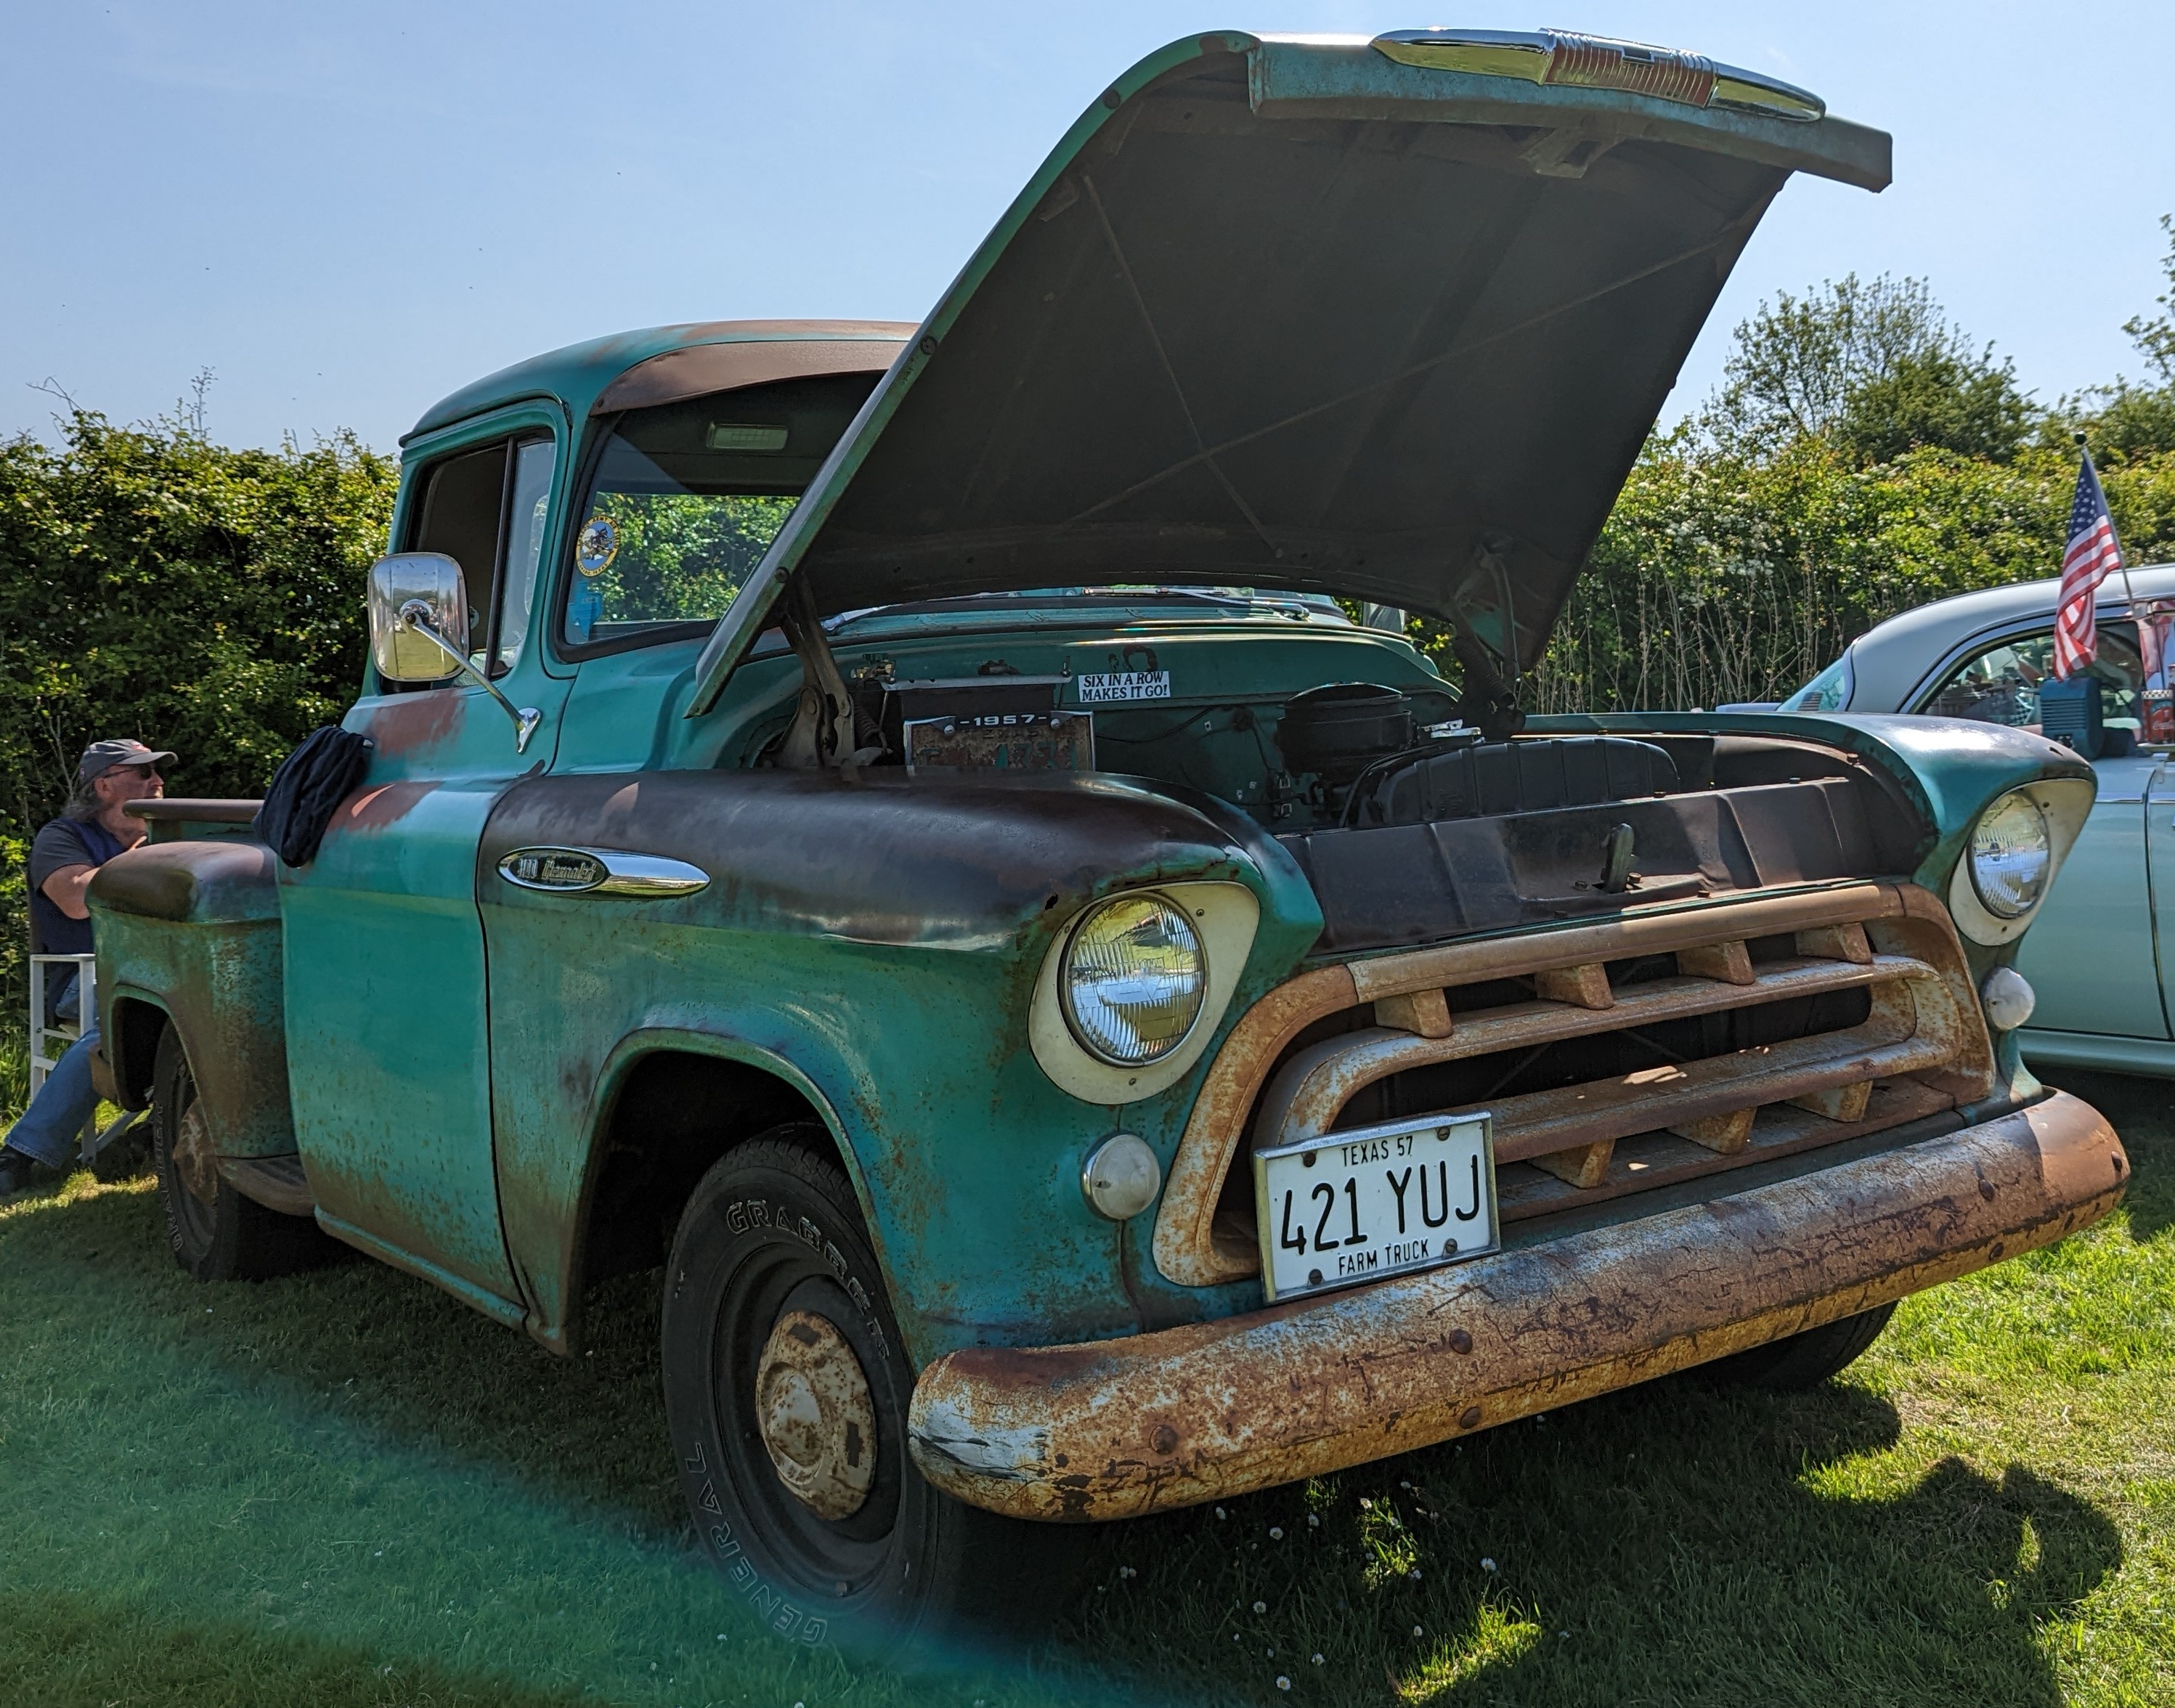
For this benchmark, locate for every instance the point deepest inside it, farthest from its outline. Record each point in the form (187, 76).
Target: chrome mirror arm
(417, 615)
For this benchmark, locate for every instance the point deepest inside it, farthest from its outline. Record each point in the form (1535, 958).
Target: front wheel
(1805, 1360)
(216, 1233)
(786, 1390)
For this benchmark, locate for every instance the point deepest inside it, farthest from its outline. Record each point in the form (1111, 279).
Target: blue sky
(345, 212)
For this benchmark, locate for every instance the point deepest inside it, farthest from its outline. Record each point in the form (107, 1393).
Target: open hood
(1388, 319)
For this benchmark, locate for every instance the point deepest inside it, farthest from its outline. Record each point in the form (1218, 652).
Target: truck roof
(680, 361)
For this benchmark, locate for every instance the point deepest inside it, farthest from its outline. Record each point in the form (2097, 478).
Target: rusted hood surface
(962, 864)
(1287, 313)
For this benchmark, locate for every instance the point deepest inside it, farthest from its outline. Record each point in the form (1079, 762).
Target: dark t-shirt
(63, 842)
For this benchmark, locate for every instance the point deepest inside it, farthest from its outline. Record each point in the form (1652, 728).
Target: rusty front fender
(1117, 1429)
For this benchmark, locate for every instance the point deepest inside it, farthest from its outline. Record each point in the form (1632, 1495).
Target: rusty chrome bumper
(1117, 1429)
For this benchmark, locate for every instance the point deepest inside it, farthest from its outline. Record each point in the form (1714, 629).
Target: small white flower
(1563, 1633)
(1127, 1571)
(1404, 1485)
(1282, 1683)
(1219, 1512)
(1366, 1504)
(1414, 1573)
(1486, 1563)
(1318, 1661)
(1418, 1632)
(1260, 1606)
(1314, 1520)
(1276, 1532)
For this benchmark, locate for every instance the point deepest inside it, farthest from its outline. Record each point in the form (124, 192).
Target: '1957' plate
(1358, 1205)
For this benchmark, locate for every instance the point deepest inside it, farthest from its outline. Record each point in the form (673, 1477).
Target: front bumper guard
(1118, 1428)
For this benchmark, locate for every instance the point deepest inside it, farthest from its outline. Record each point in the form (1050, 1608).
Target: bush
(196, 597)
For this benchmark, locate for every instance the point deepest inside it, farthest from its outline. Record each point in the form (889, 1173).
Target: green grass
(345, 1488)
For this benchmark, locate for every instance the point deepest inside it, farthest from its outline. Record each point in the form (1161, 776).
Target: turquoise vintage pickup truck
(893, 829)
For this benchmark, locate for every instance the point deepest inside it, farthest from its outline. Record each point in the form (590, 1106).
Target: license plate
(1002, 742)
(1355, 1206)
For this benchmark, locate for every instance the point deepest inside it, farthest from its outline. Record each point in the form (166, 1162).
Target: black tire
(224, 1236)
(772, 1230)
(1800, 1361)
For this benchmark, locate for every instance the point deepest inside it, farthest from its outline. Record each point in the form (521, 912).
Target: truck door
(387, 983)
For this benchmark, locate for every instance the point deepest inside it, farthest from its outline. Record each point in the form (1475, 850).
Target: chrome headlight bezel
(1227, 915)
(2063, 803)
(1101, 1034)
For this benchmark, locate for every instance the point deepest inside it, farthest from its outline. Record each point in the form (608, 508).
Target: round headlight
(2010, 854)
(1133, 980)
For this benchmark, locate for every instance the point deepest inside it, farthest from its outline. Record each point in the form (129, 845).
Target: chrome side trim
(597, 872)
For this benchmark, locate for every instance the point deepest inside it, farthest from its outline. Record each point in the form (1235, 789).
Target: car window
(486, 509)
(1829, 691)
(527, 506)
(2001, 684)
(684, 499)
(458, 515)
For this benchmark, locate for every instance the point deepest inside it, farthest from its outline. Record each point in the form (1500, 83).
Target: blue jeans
(51, 1131)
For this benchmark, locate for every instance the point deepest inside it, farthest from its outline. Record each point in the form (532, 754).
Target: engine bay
(1409, 825)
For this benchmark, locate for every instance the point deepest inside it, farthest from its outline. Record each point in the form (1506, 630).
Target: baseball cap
(101, 757)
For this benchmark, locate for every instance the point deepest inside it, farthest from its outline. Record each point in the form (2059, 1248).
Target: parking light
(1565, 59)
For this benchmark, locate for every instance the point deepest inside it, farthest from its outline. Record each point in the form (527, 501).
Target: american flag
(2090, 555)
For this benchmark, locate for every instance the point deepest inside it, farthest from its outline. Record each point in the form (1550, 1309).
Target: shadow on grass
(1683, 1541)
(1669, 1543)
(2143, 1112)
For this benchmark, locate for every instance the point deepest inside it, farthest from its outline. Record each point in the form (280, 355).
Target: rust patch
(375, 809)
(1184, 1240)
(1278, 1395)
(1924, 1024)
(408, 723)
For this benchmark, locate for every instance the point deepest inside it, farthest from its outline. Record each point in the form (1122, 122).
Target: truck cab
(937, 841)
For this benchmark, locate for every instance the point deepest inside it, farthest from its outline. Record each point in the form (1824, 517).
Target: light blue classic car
(2102, 958)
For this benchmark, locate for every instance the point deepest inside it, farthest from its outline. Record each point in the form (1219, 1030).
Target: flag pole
(2121, 560)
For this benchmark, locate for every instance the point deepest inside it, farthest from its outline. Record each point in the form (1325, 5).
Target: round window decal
(596, 545)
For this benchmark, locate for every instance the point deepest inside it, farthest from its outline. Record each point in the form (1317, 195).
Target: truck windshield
(684, 500)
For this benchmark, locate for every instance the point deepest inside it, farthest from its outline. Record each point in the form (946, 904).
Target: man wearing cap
(91, 829)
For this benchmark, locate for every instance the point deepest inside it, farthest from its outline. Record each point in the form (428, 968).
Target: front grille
(1614, 1058)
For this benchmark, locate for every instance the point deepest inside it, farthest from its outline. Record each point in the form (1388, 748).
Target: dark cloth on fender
(309, 786)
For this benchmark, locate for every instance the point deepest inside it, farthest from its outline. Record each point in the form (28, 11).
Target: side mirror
(419, 630)
(404, 654)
